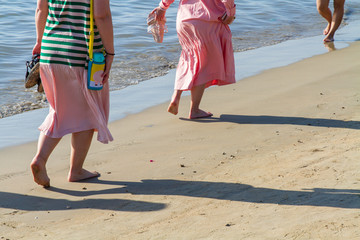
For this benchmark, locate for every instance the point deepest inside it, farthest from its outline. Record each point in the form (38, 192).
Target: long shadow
(280, 120)
(320, 197)
(35, 203)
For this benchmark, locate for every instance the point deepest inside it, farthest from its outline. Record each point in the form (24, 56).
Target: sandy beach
(278, 160)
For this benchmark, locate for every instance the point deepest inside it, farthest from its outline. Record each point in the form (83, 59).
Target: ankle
(38, 161)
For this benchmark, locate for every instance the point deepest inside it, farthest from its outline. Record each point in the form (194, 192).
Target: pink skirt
(207, 55)
(73, 108)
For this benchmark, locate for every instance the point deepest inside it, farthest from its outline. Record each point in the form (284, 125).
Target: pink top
(208, 10)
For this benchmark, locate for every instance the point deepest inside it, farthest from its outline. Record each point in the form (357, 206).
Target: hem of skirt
(49, 133)
(214, 82)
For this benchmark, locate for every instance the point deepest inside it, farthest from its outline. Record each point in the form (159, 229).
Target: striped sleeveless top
(66, 35)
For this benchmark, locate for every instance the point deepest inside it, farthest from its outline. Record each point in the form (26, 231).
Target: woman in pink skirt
(207, 56)
(62, 40)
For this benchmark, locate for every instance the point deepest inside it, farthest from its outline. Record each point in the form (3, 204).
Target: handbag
(96, 62)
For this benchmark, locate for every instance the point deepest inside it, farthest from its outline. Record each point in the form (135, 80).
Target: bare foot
(39, 172)
(82, 175)
(199, 114)
(173, 108)
(329, 38)
(327, 29)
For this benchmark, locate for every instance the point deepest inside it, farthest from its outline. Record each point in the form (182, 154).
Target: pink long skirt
(73, 108)
(207, 55)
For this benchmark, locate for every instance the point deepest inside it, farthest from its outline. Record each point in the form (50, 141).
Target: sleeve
(165, 4)
(230, 7)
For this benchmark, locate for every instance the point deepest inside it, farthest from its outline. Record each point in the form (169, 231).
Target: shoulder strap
(91, 42)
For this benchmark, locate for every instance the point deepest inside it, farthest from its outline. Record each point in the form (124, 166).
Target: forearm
(105, 28)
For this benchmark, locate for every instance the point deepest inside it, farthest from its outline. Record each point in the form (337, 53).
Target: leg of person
(196, 96)
(175, 100)
(80, 144)
(336, 19)
(325, 12)
(45, 147)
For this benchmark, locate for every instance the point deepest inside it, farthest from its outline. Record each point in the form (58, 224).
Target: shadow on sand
(280, 120)
(318, 197)
(35, 203)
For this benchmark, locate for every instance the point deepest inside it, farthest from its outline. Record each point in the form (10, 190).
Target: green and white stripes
(66, 35)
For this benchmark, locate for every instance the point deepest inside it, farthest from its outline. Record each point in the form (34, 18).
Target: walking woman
(62, 40)
(207, 56)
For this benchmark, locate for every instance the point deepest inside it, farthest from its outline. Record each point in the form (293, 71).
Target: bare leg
(336, 19)
(175, 100)
(45, 147)
(80, 144)
(325, 12)
(196, 96)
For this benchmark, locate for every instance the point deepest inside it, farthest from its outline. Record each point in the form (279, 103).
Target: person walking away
(62, 34)
(207, 56)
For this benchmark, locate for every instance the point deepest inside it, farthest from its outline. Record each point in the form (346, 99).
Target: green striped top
(66, 35)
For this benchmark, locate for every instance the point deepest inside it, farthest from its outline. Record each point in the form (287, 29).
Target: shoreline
(158, 90)
(278, 160)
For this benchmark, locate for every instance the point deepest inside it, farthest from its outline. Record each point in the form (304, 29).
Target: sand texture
(278, 160)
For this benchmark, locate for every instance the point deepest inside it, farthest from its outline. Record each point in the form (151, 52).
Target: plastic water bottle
(156, 28)
(95, 70)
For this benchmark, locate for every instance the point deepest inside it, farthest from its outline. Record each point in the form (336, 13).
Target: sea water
(265, 34)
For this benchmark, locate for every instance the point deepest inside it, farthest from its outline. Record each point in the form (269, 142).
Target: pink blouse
(208, 10)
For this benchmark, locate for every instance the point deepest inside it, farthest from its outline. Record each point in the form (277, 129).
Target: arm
(40, 22)
(103, 19)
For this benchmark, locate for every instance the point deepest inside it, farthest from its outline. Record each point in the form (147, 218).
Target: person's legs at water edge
(325, 12)
(336, 19)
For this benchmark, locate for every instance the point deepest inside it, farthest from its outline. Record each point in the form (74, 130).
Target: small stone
(224, 153)
(84, 188)
(182, 165)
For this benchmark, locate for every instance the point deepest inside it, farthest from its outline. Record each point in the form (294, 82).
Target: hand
(227, 20)
(159, 13)
(108, 62)
(36, 49)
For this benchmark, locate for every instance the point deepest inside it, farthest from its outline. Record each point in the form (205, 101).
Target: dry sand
(279, 160)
